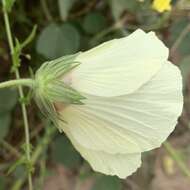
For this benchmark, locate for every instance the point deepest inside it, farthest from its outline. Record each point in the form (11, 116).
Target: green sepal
(58, 92)
(51, 89)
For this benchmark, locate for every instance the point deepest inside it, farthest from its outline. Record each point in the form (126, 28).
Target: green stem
(17, 82)
(46, 10)
(21, 94)
(181, 37)
(11, 149)
(177, 158)
(117, 25)
(41, 147)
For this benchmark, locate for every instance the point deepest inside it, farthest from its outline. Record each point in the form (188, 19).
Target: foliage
(8, 99)
(107, 183)
(64, 40)
(64, 153)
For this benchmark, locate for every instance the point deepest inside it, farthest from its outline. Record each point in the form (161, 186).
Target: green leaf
(5, 121)
(176, 29)
(9, 4)
(94, 23)
(185, 68)
(63, 152)
(119, 6)
(30, 37)
(58, 40)
(107, 183)
(8, 99)
(64, 8)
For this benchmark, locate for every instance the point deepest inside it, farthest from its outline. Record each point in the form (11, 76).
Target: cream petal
(95, 133)
(121, 165)
(119, 66)
(132, 123)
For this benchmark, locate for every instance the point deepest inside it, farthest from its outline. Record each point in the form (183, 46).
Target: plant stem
(17, 82)
(11, 149)
(41, 147)
(46, 10)
(181, 37)
(117, 25)
(177, 158)
(21, 94)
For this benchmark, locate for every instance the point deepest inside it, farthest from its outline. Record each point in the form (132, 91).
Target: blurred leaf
(2, 183)
(185, 68)
(64, 8)
(119, 6)
(20, 171)
(58, 40)
(8, 99)
(63, 152)
(148, 17)
(94, 23)
(175, 31)
(107, 183)
(9, 4)
(5, 120)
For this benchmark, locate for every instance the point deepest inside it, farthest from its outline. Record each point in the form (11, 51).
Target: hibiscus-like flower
(114, 101)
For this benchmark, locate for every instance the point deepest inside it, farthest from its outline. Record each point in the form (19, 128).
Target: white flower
(133, 100)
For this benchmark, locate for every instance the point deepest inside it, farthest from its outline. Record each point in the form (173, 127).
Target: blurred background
(53, 28)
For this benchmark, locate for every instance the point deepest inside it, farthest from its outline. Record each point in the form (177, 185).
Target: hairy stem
(17, 82)
(21, 94)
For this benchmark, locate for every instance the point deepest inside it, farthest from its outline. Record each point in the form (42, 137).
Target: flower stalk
(17, 82)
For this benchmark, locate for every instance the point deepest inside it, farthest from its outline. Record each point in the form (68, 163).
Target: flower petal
(121, 165)
(119, 66)
(132, 123)
(96, 134)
